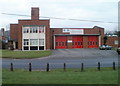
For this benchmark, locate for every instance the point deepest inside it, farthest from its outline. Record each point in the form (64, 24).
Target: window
(26, 29)
(91, 43)
(26, 48)
(81, 43)
(33, 41)
(41, 47)
(96, 43)
(78, 43)
(75, 43)
(34, 29)
(62, 43)
(31, 30)
(33, 47)
(41, 29)
(26, 41)
(116, 42)
(72, 43)
(41, 42)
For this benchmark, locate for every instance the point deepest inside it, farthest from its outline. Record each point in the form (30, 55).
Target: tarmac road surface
(72, 57)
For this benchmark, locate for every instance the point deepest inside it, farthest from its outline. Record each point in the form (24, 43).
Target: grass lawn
(24, 54)
(58, 76)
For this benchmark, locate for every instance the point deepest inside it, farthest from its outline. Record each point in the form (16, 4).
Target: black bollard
(30, 67)
(64, 67)
(82, 67)
(47, 68)
(11, 67)
(114, 66)
(98, 66)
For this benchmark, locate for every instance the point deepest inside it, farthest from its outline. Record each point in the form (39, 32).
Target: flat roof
(76, 34)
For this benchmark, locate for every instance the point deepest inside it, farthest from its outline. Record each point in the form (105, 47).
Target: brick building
(36, 34)
(33, 34)
(113, 41)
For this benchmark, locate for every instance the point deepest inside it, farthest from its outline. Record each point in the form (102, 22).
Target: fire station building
(36, 34)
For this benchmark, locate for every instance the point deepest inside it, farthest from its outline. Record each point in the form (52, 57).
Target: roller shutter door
(92, 41)
(60, 42)
(77, 41)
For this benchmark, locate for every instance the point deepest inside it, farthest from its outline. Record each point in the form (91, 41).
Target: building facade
(36, 34)
(77, 37)
(33, 34)
(113, 41)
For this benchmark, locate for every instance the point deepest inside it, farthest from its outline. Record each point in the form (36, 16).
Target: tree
(117, 33)
(105, 39)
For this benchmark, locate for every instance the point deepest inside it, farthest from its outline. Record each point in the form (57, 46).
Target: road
(72, 57)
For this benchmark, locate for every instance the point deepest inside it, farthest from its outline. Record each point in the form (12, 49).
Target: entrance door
(77, 41)
(92, 41)
(60, 42)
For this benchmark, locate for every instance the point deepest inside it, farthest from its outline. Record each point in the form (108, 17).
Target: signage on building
(69, 41)
(73, 31)
(76, 31)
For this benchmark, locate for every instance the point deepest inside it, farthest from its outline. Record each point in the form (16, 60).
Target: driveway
(82, 54)
(72, 57)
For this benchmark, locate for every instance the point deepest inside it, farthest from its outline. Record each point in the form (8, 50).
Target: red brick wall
(14, 31)
(91, 31)
(35, 13)
(85, 41)
(111, 40)
(86, 30)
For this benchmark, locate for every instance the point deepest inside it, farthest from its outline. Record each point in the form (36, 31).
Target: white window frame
(41, 43)
(25, 43)
(33, 42)
(116, 42)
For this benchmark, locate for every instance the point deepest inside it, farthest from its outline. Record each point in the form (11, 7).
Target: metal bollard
(11, 67)
(82, 67)
(64, 67)
(114, 66)
(47, 68)
(98, 66)
(30, 67)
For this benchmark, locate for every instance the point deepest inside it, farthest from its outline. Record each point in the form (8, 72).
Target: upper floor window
(26, 30)
(41, 29)
(34, 29)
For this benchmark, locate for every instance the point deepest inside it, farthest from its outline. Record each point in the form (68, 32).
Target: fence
(64, 67)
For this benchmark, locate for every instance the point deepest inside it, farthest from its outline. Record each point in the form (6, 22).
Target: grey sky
(96, 10)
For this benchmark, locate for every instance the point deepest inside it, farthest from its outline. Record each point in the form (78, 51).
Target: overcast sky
(95, 10)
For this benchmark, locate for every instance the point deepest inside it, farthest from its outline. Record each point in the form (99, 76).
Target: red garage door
(60, 42)
(77, 41)
(92, 41)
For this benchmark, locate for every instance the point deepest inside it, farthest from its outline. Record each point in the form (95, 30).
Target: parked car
(118, 50)
(105, 47)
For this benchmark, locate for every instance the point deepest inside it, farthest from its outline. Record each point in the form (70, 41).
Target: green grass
(24, 54)
(114, 48)
(58, 76)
